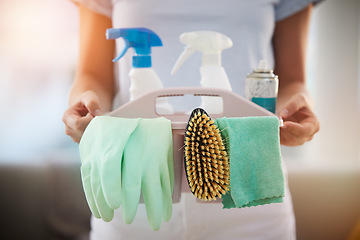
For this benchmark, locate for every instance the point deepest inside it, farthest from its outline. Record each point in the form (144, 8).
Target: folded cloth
(256, 176)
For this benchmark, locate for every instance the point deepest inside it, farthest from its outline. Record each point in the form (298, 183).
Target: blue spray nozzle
(141, 39)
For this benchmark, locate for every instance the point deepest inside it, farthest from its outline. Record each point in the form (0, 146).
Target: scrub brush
(206, 160)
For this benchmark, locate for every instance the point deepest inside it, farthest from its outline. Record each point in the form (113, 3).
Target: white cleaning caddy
(145, 107)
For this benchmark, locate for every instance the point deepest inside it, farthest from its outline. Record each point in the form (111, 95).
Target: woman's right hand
(79, 115)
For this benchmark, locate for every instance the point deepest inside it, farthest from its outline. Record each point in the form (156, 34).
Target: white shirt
(250, 24)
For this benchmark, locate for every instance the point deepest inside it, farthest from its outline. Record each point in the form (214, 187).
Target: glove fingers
(167, 182)
(131, 175)
(111, 163)
(86, 182)
(131, 196)
(105, 211)
(171, 168)
(168, 141)
(167, 189)
(152, 194)
(111, 182)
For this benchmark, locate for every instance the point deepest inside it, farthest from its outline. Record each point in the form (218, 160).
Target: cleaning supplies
(262, 87)
(101, 152)
(123, 158)
(206, 161)
(148, 169)
(213, 75)
(256, 176)
(143, 76)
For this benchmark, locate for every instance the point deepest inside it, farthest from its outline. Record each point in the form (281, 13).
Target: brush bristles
(206, 160)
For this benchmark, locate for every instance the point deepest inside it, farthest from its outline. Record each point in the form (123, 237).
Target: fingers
(112, 161)
(86, 182)
(170, 162)
(75, 125)
(152, 193)
(300, 123)
(77, 117)
(111, 182)
(295, 134)
(296, 103)
(131, 180)
(167, 184)
(167, 190)
(105, 211)
(288, 137)
(131, 197)
(92, 103)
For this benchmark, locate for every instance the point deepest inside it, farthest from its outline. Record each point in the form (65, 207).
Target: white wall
(38, 53)
(333, 77)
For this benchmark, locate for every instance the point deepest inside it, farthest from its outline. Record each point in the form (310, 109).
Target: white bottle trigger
(210, 44)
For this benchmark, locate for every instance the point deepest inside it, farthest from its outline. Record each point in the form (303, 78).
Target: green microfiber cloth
(256, 176)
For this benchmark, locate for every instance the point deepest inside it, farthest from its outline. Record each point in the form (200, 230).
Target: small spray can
(262, 87)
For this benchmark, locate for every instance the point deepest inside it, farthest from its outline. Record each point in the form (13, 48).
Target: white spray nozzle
(209, 43)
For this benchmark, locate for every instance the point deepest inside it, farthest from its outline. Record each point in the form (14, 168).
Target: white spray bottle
(213, 75)
(143, 77)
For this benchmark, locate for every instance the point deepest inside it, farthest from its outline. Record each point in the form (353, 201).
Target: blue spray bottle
(143, 77)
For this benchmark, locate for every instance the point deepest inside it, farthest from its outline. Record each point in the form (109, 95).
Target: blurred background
(40, 186)
(38, 52)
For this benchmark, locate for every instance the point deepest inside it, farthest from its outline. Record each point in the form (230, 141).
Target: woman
(275, 30)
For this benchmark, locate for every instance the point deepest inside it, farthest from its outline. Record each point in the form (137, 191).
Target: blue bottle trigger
(127, 45)
(140, 39)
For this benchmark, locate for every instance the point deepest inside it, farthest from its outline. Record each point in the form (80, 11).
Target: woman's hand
(300, 122)
(93, 89)
(79, 115)
(293, 102)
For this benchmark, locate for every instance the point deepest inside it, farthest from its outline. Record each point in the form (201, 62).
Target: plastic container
(144, 106)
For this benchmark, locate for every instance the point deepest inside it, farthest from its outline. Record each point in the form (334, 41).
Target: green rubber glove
(148, 169)
(101, 151)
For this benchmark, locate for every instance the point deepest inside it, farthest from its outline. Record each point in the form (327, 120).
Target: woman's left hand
(300, 122)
